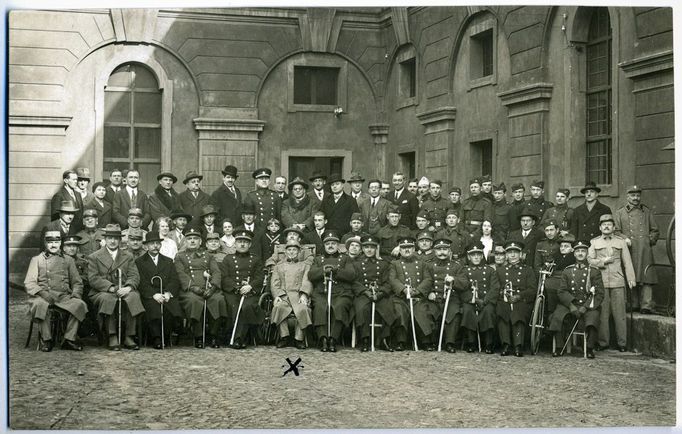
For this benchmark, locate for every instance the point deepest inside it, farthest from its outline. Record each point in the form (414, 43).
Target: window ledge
(489, 80)
(322, 108)
(406, 102)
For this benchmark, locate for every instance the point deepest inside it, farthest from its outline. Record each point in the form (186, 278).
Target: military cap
(336, 177)
(513, 245)
(356, 177)
(330, 236)
(499, 250)
(135, 233)
(72, 240)
(424, 235)
(634, 189)
(136, 212)
(112, 230)
(517, 186)
(191, 175)
(293, 229)
(230, 170)
(317, 175)
(474, 181)
(208, 210)
(500, 187)
(606, 218)
(83, 173)
(354, 239)
(293, 243)
(565, 191)
(581, 245)
(549, 223)
(90, 212)
(167, 175)
(263, 172)
(213, 236)
(423, 181)
(568, 238)
(475, 247)
(438, 182)
(455, 190)
(298, 181)
(180, 213)
(527, 212)
(53, 236)
(192, 231)
(248, 208)
(151, 236)
(68, 206)
(486, 178)
(356, 216)
(393, 209)
(590, 186)
(369, 240)
(538, 184)
(423, 214)
(406, 242)
(243, 234)
(442, 242)
(451, 211)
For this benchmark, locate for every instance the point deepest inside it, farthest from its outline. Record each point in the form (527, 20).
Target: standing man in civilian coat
(356, 192)
(338, 207)
(298, 208)
(131, 197)
(375, 209)
(193, 199)
(528, 236)
(164, 199)
(407, 203)
(228, 198)
(635, 222)
(115, 184)
(68, 192)
(319, 191)
(585, 223)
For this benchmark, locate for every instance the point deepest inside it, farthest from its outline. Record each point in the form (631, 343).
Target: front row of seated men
(405, 297)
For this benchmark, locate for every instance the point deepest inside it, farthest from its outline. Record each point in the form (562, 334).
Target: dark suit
(104, 213)
(193, 206)
(374, 218)
(408, 207)
(63, 195)
(109, 196)
(55, 225)
(338, 213)
(228, 205)
(166, 270)
(530, 243)
(311, 237)
(585, 224)
(122, 204)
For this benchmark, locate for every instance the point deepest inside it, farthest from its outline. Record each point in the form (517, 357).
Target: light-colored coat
(289, 279)
(101, 276)
(611, 273)
(638, 224)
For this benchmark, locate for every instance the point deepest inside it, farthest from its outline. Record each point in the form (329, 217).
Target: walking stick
(239, 309)
(593, 291)
(569, 336)
(329, 305)
(409, 297)
(163, 334)
(447, 288)
(120, 304)
(373, 286)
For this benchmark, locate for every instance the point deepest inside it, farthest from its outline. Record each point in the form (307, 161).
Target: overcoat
(101, 277)
(638, 224)
(166, 270)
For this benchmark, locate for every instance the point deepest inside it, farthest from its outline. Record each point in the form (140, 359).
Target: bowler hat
(230, 170)
(180, 213)
(336, 177)
(248, 208)
(68, 206)
(83, 173)
(112, 230)
(590, 186)
(298, 181)
(191, 175)
(317, 174)
(207, 210)
(527, 212)
(152, 236)
(167, 175)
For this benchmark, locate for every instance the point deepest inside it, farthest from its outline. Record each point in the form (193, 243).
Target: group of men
(402, 266)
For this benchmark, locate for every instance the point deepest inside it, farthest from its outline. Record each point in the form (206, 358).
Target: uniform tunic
(59, 276)
(190, 266)
(501, 215)
(488, 291)
(515, 210)
(524, 285)
(437, 209)
(476, 209)
(370, 270)
(421, 279)
(266, 203)
(460, 240)
(91, 241)
(638, 224)
(235, 270)
(574, 289)
(538, 207)
(561, 214)
(289, 280)
(440, 269)
(388, 238)
(342, 288)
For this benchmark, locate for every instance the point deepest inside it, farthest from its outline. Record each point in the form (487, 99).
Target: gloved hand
(514, 298)
(432, 296)
(158, 298)
(582, 310)
(574, 310)
(368, 294)
(167, 296)
(47, 296)
(245, 289)
(197, 290)
(479, 303)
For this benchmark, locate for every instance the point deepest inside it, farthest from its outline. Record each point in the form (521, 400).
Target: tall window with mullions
(132, 123)
(598, 145)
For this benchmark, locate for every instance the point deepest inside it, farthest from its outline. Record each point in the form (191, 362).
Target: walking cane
(120, 304)
(447, 288)
(163, 334)
(239, 309)
(409, 297)
(373, 287)
(329, 305)
(593, 291)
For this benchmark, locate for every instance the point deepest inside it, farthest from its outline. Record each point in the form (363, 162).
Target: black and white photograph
(317, 216)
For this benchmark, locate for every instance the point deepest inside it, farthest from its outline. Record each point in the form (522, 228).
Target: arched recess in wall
(405, 67)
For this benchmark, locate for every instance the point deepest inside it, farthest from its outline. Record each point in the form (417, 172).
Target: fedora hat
(112, 230)
(298, 181)
(335, 177)
(68, 206)
(83, 173)
(207, 210)
(317, 174)
(191, 175)
(590, 186)
(356, 177)
(152, 236)
(180, 213)
(167, 175)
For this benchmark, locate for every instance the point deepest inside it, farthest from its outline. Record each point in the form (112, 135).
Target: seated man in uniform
(389, 234)
(425, 252)
(581, 292)
(480, 299)
(335, 269)
(114, 279)
(200, 294)
(159, 286)
(291, 289)
(135, 245)
(242, 280)
(514, 301)
(306, 252)
(353, 248)
(370, 287)
(53, 280)
(213, 247)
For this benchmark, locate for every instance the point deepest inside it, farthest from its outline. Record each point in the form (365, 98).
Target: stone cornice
(650, 64)
(526, 94)
(437, 120)
(213, 124)
(380, 133)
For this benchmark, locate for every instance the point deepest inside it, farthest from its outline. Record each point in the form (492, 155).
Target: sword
(373, 286)
(239, 309)
(409, 297)
(120, 304)
(447, 288)
(329, 304)
(163, 342)
(474, 296)
(203, 331)
(508, 292)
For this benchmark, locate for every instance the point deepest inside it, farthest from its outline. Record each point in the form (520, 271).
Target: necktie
(234, 193)
(133, 198)
(396, 195)
(374, 203)
(195, 194)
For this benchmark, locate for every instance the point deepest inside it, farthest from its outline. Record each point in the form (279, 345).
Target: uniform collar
(629, 207)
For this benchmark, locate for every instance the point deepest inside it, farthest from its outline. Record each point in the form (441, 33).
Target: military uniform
(91, 240)
(561, 214)
(440, 269)
(437, 209)
(388, 238)
(266, 203)
(501, 218)
(488, 289)
(237, 270)
(538, 207)
(476, 209)
(190, 266)
(368, 271)
(547, 251)
(460, 240)
(515, 209)
(512, 322)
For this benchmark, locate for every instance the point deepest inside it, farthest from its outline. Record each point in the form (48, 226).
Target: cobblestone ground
(222, 388)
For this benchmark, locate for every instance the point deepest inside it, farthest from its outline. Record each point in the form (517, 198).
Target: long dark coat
(575, 289)
(228, 205)
(122, 204)
(408, 205)
(338, 213)
(236, 269)
(585, 224)
(294, 212)
(166, 270)
(488, 288)
(193, 206)
(523, 284)
(421, 279)
(342, 288)
(190, 266)
(370, 270)
(56, 203)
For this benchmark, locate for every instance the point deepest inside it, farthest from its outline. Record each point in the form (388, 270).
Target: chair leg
(30, 332)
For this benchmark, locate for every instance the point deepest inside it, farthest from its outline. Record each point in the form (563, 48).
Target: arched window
(598, 158)
(132, 123)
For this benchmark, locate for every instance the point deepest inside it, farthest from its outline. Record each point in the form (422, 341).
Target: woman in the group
(227, 240)
(487, 236)
(168, 246)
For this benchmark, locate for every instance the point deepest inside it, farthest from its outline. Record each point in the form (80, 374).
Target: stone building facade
(564, 93)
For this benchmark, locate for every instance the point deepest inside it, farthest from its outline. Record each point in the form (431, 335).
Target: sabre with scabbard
(329, 281)
(592, 291)
(163, 334)
(447, 289)
(474, 296)
(203, 330)
(239, 309)
(373, 287)
(120, 303)
(408, 294)
(508, 293)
